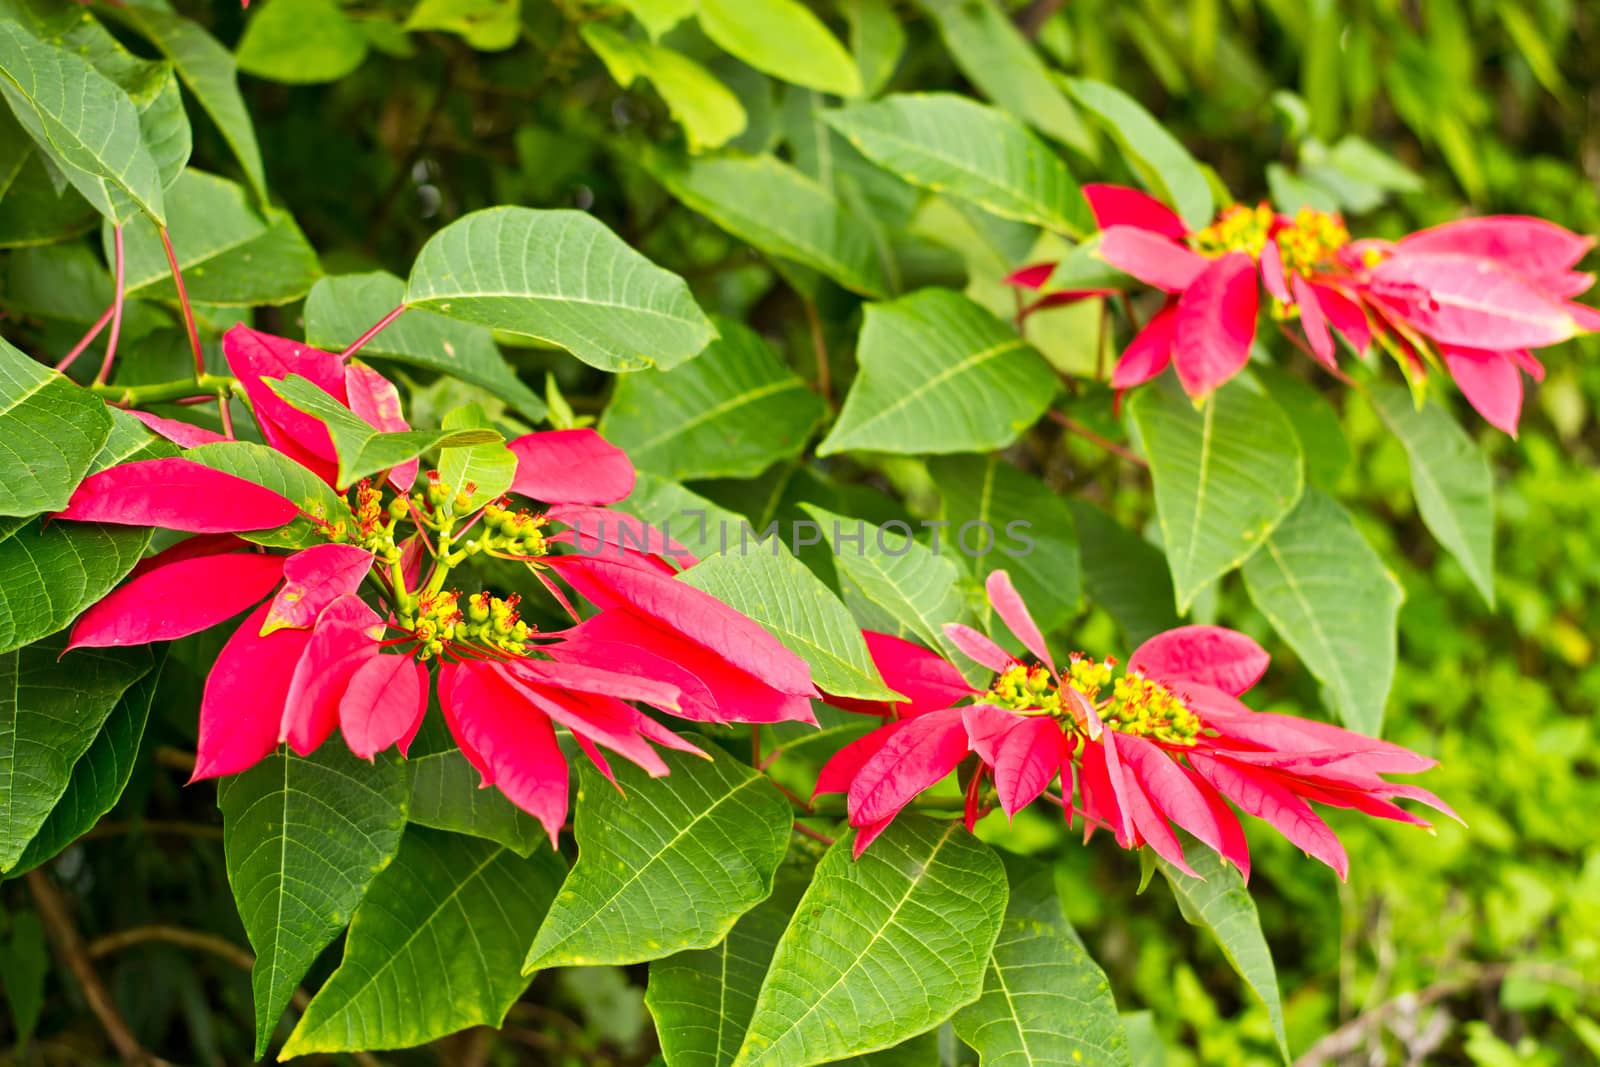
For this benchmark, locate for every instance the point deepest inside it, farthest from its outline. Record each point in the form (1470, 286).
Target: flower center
(1236, 229)
(1131, 704)
(1311, 241)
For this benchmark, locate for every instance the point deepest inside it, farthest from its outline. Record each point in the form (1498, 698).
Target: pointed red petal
(346, 636)
(1528, 245)
(1491, 383)
(598, 529)
(1313, 322)
(593, 680)
(1261, 794)
(184, 434)
(244, 697)
(384, 703)
(1210, 655)
(177, 597)
(1216, 324)
(1031, 277)
(1007, 603)
(312, 579)
(919, 754)
(1151, 258)
(1025, 762)
(845, 764)
(977, 647)
(986, 726)
(1466, 300)
(1272, 273)
(927, 680)
(177, 494)
(1345, 316)
(515, 742)
(1148, 354)
(1118, 205)
(375, 399)
(256, 358)
(1178, 797)
(603, 720)
(571, 467)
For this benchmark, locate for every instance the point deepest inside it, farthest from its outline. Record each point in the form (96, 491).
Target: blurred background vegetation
(1478, 946)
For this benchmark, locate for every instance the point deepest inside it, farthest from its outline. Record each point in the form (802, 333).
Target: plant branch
(183, 305)
(1076, 428)
(356, 345)
(118, 280)
(204, 387)
(85, 341)
(820, 345)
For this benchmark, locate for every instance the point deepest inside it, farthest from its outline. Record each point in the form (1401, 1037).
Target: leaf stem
(183, 304)
(1072, 426)
(118, 279)
(85, 341)
(356, 345)
(820, 345)
(203, 387)
(815, 835)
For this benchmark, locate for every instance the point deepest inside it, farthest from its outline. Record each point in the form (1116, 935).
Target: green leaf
(271, 468)
(1330, 596)
(34, 212)
(207, 70)
(560, 277)
(304, 838)
(487, 25)
(708, 110)
(342, 308)
(446, 795)
(24, 963)
(99, 776)
(1219, 902)
(781, 211)
(659, 16)
(1322, 440)
(784, 39)
(956, 146)
(491, 467)
(664, 864)
(50, 430)
(880, 949)
(697, 524)
(434, 947)
(1124, 573)
(364, 450)
(1225, 476)
(877, 40)
(995, 57)
(1158, 158)
(50, 573)
(50, 712)
(162, 120)
(779, 592)
(301, 42)
(229, 254)
(1021, 527)
(1450, 478)
(85, 124)
(731, 413)
(1045, 1001)
(939, 374)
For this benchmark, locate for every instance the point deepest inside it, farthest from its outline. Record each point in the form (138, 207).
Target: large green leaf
(962, 148)
(881, 948)
(1225, 476)
(708, 110)
(51, 709)
(781, 211)
(691, 520)
(1045, 1002)
(939, 374)
(1219, 902)
(1125, 574)
(304, 838)
(34, 212)
(447, 794)
(229, 253)
(1322, 438)
(271, 468)
(342, 308)
(364, 450)
(83, 121)
(877, 41)
(1330, 596)
(560, 277)
(1162, 163)
(51, 572)
(434, 948)
(489, 468)
(784, 39)
(664, 864)
(731, 413)
(1450, 478)
(486, 25)
(778, 591)
(1002, 519)
(50, 430)
(301, 42)
(99, 776)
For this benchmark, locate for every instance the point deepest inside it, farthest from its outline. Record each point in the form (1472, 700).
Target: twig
(805, 831)
(85, 341)
(1074, 427)
(183, 305)
(57, 919)
(117, 827)
(175, 758)
(820, 345)
(118, 280)
(356, 345)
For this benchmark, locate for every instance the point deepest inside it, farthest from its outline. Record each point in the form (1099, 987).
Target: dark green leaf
(1322, 439)
(1125, 574)
(24, 962)
(271, 468)
(446, 795)
(50, 431)
(50, 573)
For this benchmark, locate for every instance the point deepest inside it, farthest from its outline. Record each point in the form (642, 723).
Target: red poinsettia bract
(1166, 743)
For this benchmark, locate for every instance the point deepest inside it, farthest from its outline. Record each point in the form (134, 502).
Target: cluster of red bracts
(1475, 296)
(313, 656)
(1137, 777)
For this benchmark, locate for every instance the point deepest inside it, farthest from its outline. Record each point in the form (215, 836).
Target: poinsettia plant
(633, 631)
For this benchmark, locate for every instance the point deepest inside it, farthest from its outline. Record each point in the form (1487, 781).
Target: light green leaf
(731, 413)
(956, 146)
(784, 39)
(301, 42)
(434, 947)
(560, 277)
(1219, 902)
(51, 572)
(50, 712)
(1450, 478)
(86, 124)
(877, 41)
(162, 119)
(50, 430)
(1225, 476)
(664, 864)
(780, 211)
(1045, 1002)
(1162, 163)
(229, 254)
(708, 111)
(342, 308)
(996, 58)
(1322, 440)
(1330, 596)
(1003, 519)
(364, 450)
(446, 794)
(779, 592)
(1124, 573)
(881, 949)
(939, 374)
(487, 25)
(304, 838)
(490, 467)
(659, 16)
(271, 468)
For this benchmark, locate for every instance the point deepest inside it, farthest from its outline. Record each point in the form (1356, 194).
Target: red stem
(87, 340)
(226, 413)
(119, 277)
(183, 303)
(356, 345)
